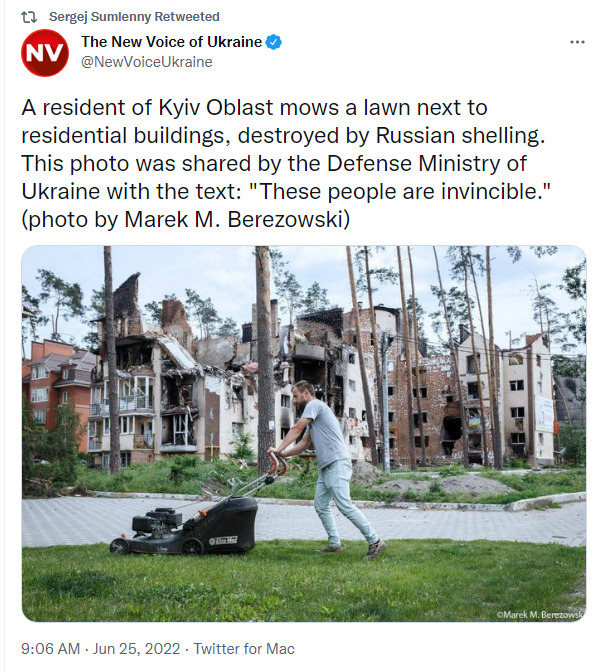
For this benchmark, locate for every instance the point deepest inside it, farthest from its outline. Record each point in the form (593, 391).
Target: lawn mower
(226, 527)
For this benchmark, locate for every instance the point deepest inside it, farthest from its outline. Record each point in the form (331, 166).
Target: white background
(517, 57)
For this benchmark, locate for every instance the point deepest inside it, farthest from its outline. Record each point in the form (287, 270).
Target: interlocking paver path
(88, 520)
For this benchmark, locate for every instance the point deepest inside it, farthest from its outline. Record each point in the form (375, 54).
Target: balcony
(142, 441)
(135, 402)
(94, 444)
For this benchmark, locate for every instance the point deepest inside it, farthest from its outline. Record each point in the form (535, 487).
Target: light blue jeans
(334, 483)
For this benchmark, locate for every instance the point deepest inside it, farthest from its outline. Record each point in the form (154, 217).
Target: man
(335, 467)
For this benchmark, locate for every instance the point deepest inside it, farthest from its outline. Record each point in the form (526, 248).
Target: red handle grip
(282, 471)
(274, 462)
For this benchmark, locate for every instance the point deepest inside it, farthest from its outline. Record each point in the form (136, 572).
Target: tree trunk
(493, 373)
(111, 360)
(369, 409)
(416, 351)
(374, 336)
(409, 380)
(487, 359)
(476, 362)
(466, 459)
(266, 424)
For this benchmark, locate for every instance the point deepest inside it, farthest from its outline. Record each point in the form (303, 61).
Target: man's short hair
(303, 385)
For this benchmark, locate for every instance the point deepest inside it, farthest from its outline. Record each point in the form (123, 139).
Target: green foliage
(315, 299)
(31, 323)
(573, 439)
(451, 470)
(228, 327)
(155, 309)
(518, 463)
(65, 297)
(57, 447)
(435, 488)
(242, 443)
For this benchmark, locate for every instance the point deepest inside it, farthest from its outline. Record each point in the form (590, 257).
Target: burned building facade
(169, 403)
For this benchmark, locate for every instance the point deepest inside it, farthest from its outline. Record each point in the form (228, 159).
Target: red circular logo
(45, 53)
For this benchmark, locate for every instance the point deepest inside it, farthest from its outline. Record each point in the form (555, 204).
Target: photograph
(303, 433)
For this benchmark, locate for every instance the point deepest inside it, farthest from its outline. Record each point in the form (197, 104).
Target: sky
(227, 275)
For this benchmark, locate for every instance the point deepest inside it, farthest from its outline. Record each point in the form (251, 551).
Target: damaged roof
(178, 353)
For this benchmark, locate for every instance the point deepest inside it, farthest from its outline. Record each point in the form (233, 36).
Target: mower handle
(276, 460)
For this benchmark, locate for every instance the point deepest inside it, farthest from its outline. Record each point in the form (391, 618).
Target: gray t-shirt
(326, 434)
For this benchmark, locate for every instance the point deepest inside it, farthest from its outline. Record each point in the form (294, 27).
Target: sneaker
(330, 549)
(375, 549)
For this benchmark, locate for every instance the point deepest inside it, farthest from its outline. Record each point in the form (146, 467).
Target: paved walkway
(89, 520)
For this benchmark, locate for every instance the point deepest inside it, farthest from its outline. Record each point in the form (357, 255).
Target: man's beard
(300, 405)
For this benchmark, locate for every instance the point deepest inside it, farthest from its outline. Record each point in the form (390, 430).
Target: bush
(573, 439)
(452, 470)
(518, 463)
(242, 443)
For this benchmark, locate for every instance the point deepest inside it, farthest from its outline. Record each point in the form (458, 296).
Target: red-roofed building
(56, 374)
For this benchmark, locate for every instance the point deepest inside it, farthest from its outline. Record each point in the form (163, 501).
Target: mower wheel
(192, 547)
(119, 546)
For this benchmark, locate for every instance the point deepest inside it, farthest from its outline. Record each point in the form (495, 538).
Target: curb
(520, 505)
(536, 502)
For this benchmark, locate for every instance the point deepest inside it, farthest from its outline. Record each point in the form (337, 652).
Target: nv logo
(45, 53)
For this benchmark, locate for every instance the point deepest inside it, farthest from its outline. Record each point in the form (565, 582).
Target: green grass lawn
(415, 580)
(189, 475)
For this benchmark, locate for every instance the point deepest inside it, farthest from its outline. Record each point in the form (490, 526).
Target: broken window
(285, 401)
(515, 385)
(473, 417)
(182, 428)
(450, 398)
(517, 411)
(473, 363)
(125, 459)
(390, 391)
(515, 359)
(391, 416)
(338, 381)
(351, 358)
(539, 360)
(391, 443)
(283, 432)
(518, 438)
(423, 391)
(418, 441)
(472, 391)
(416, 419)
(352, 413)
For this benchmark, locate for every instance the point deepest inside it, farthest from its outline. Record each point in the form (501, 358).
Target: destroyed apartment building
(169, 402)
(179, 394)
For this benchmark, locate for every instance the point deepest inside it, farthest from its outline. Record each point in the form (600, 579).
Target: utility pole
(266, 424)
(369, 409)
(111, 360)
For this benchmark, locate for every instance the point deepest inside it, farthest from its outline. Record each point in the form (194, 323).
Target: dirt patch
(365, 473)
(403, 484)
(472, 484)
